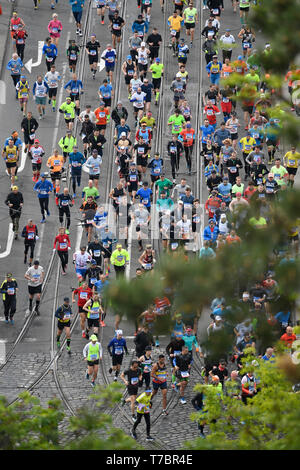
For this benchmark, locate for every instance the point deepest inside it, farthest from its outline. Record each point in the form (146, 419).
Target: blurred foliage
(26, 425)
(270, 420)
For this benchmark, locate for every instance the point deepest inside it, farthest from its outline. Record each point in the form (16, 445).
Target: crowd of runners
(244, 167)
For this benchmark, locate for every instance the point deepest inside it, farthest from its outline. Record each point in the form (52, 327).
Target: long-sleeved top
(15, 66)
(87, 346)
(29, 125)
(117, 114)
(15, 199)
(43, 188)
(141, 27)
(77, 5)
(117, 346)
(62, 242)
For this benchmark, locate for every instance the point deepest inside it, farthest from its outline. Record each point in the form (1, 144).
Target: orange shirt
(188, 136)
(239, 66)
(56, 162)
(226, 70)
(288, 339)
(230, 239)
(101, 116)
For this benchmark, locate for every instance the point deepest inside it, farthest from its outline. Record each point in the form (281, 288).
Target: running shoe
(149, 438)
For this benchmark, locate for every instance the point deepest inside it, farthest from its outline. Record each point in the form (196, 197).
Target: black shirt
(116, 24)
(29, 125)
(92, 247)
(141, 149)
(132, 376)
(64, 201)
(183, 361)
(155, 39)
(15, 200)
(93, 46)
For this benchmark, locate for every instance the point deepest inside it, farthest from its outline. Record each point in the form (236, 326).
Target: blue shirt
(42, 188)
(283, 317)
(106, 91)
(148, 90)
(99, 285)
(77, 6)
(17, 142)
(206, 132)
(74, 159)
(141, 28)
(15, 64)
(225, 189)
(75, 86)
(109, 57)
(50, 51)
(121, 129)
(118, 346)
(156, 166)
(144, 195)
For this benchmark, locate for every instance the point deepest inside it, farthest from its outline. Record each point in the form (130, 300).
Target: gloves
(69, 248)
(54, 250)
(37, 238)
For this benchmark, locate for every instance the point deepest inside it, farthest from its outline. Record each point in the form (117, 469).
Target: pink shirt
(54, 28)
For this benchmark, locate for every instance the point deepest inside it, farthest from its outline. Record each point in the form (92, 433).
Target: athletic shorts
(94, 177)
(36, 166)
(247, 108)
(110, 68)
(69, 120)
(244, 8)
(77, 15)
(142, 67)
(190, 25)
(234, 136)
(93, 322)
(55, 175)
(156, 83)
(132, 390)
(127, 79)
(52, 92)
(61, 324)
(154, 178)
(291, 171)
(100, 127)
(107, 102)
(116, 33)
(132, 187)
(136, 110)
(81, 271)
(142, 161)
(117, 359)
(23, 100)
(182, 60)
(74, 97)
(157, 386)
(11, 164)
(35, 289)
(80, 310)
(93, 59)
(40, 100)
(93, 363)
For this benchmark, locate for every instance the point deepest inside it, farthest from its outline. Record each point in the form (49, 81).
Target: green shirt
(156, 70)
(245, 3)
(164, 185)
(237, 189)
(68, 110)
(66, 143)
(90, 192)
(261, 222)
(177, 122)
(279, 174)
(189, 15)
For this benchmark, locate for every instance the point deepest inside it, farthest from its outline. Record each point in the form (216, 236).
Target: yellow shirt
(247, 144)
(175, 23)
(291, 159)
(11, 154)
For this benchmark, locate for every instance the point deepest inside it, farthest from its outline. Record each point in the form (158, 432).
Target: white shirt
(52, 79)
(87, 346)
(227, 40)
(81, 259)
(143, 56)
(94, 164)
(135, 84)
(215, 23)
(139, 99)
(91, 115)
(35, 274)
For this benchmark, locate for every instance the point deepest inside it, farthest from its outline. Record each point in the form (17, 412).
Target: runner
(64, 244)
(35, 277)
(40, 91)
(30, 234)
(143, 409)
(84, 293)
(134, 377)
(63, 314)
(116, 348)
(15, 201)
(94, 310)
(23, 90)
(52, 78)
(92, 353)
(36, 153)
(159, 381)
(9, 289)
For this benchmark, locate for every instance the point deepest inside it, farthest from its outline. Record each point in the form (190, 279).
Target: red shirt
(212, 205)
(63, 242)
(188, 137)
(101, 115)
(248, 193)
(83, 295)
(211, 112)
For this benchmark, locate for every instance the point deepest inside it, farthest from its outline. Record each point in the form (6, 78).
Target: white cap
(143, 44)
(218, 318)
(119, 332)
(178, 74)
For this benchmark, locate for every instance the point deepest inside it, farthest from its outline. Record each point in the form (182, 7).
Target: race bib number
(173, 32)
(174, 246)
(246, 45)
(96, 253)
(118, 350)
(215, 11)
(67, 316)
(54, 30)
(30, 236)
(134, 380)
(83, 295)
(73, 56)
(93, 52)
(11, 290)
(185, 374)
(63, 246)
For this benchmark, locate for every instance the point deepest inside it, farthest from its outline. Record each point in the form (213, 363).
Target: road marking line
(10, 238)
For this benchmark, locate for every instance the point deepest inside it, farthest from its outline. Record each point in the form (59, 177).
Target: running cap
(36, 262)
(215, 56)
(15, 188)
(69, 131)
(143, 44)
(149, 390)
(132, 164)
(129, 57)
(270, 175)
(23, 76)
(178, 74)
(178, 333)
(238, 194)
(119, 245)
(102, 103)
(95, 151)
(188, 125)
(66, 299)
(9, 275)
(227, 29)
(68, 98)
(218, 318)
(94, 338)
(123, 133)
(43, 175)
(93, 261)
(157, 59)
(36, 141)
(119, 332)
(145, 183)
(148, 348)
(240, 57)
